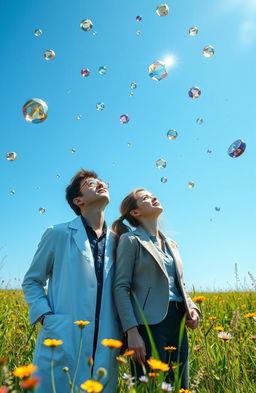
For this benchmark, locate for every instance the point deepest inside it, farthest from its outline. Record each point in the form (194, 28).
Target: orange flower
(153, 374)
(170, 348)
(24, 371)
(156, 364)
(111, 343)
(212, 318)
(129, 353)
(250, 315)
(90, 361)
(121, 359)
(198, 299)
(51, 342)
(82, 324)
(185, 391)
(3, 360)
(197, 347)
(30, 383)
(92, 386)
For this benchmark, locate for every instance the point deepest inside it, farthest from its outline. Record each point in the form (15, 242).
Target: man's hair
(73, 190)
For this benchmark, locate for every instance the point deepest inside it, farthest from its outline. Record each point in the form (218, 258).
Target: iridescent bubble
(85, 72)
(138, 32)
(12, 192)
(199, 120)
(164, 179)
(162, 9)
(94, 32)
(217, 209)
(172, 134)
(209, 151)
(41, 210)
(79, 117)
(102, 70)
(129, 144)
(35, 110)
(124, 119)
(193, 31)
(11, 156)
(157, 71)
(38, 32)
(100, 106)
(131, 94)
(191, 184)
(138, 18)
(236, 148)
(194, 92)
(73, 150)
(49, 54)
(86, 24)
(133, 85)
(208, 51)
(58, 175)
(161, 163)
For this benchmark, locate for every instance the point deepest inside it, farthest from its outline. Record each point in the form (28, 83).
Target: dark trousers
(166, 333)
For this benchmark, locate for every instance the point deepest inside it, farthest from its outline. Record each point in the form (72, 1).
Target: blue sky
(210, 242)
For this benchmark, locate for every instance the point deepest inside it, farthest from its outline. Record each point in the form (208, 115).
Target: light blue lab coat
(64, 256)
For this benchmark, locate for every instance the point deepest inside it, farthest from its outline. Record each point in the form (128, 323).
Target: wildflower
(121, 359)
(197, 347)
(4, 389)
(143, 379)
(3, 360)
(173, 367)
(82, 324)
(127, 377)
(30, 383)
(111, 343)
(92, 386)
(102, 372)
(170, 348)
(129, 353)
(224, 336)
(90, 361)
(185, 391)
(252, 337)
(212, 318)
(51, 342)
(250, 315)
(65, 369)
(219, 328)
(198, 299)
(24, 371)
(156, 364)
(153, 374)
(166, 387)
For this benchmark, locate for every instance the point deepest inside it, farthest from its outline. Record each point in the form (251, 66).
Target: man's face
(93, 192)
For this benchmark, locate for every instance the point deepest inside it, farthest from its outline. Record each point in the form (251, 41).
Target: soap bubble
(124, 119)
(161, 163)
(172, 134)
(49, 54)
(58, 175)
(209, 151)
(73, 150)
(217, 209)
(85, 72)
(38, 32)
(12, 192)
(11, 156)
(100, 106)
(162, 9)
(129, 144)
(164, 179)
(208, 51)
(193, 31)
(194, 92)
(236, 148)
(191, 184)
(138, 32)
(102, 70)
(86, 24)
(157, 71)
(138, 18)
(133, 85)
(35, 110)
(79, 117)
(41, 210)
(199, 120)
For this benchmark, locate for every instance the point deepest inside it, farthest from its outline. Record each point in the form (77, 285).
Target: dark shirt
(98, 251)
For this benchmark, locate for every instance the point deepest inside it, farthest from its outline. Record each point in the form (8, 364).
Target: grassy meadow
(217, 364)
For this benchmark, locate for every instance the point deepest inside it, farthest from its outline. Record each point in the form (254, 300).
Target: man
(76, 257)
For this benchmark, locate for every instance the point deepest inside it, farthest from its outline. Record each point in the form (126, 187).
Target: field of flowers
(222, 350)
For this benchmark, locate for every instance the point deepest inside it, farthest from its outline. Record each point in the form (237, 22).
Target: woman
(149, 264)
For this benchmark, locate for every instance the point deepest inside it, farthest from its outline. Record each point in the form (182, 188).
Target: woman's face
(148, 206)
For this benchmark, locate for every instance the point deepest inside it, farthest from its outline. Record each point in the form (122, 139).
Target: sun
(170, 60)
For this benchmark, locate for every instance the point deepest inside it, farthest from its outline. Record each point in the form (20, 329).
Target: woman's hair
(118, 227)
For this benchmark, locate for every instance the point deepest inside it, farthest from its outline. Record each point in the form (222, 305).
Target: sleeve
(124, 265)
(37, 275)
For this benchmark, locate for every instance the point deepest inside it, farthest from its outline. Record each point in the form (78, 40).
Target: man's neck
(95, 218)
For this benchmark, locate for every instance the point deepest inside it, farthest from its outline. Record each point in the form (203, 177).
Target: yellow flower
(212, 318)
(51, 342)
(92, 386)
(121, 359)
(82, 324)
(129, 353)
(250, 315)
(170, 348)
(185, 391)
(111, 343)
(156, 364)
(198, 299)
(219, 328)
(24, 371)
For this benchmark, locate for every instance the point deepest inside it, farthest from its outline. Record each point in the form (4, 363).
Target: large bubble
(236, 148)
(194, 92)
(157, 71)
(49, 54)
(208, 51)
(35, 110)
(161, 163)
(193, 31)
(162, 9)
(172, 134)
(11, 156)
(86, 24)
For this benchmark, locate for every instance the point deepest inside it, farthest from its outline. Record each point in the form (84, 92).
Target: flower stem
(77, 361)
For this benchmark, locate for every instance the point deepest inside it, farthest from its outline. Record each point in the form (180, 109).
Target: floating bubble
(49, 54)
(194, 92)
(161, 163)
(138, 32)
(73, 150)
(79, 117)
(172, 134)
(133, 85)
(38, 32)
(58, 175)
(217, 209)
(35, 110)
(157, 71)
(100, 106)
(138, 18)
(131, 94)
(208, 51)
(236, 148)
(85, 72)
(86, 24)
(102, 70)
(129, 144)
(209, 151)
(162, 9)
(124, 119)
(164, 179)
(191, 184)
(11, 156)
(12, 192)
(199, 120)
(94, 32)
(41, 210)
(193, 31)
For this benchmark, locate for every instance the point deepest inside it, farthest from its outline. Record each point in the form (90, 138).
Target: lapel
(108, 257)
(147, 243)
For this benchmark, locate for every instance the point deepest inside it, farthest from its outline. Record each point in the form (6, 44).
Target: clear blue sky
(210, 242)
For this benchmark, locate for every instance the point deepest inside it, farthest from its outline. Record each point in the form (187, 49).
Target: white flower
(225, 336)
(143, 379)
(166, 387)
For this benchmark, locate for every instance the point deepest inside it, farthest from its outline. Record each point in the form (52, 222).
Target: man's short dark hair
(73, 190)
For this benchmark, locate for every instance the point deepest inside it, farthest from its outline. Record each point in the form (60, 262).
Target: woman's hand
(136, 343)
(193, 323)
